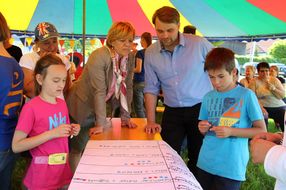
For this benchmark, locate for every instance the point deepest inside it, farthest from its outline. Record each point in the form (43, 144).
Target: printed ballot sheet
(132, 165)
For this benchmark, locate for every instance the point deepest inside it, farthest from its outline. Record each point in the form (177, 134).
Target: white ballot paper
(132, 165)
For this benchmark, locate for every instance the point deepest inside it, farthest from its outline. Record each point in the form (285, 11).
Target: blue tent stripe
(192, 10)
(61, 15)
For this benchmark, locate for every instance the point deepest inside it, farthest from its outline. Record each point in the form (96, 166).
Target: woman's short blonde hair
(251, 67)
(120, 30)
(275, 68)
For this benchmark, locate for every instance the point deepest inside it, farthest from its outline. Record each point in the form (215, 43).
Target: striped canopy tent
(214, 19)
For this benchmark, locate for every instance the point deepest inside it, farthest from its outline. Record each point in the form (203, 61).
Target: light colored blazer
(87, 95)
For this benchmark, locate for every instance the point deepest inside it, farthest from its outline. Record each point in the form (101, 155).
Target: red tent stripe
(130, 10)
(274, 7)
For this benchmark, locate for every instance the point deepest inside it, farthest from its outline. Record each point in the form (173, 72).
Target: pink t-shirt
(38, 116)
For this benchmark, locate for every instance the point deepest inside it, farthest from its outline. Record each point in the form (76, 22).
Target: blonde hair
(251, 67)
(275, 68)
(120, 30)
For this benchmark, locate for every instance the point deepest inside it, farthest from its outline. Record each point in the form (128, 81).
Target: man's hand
(152, 128)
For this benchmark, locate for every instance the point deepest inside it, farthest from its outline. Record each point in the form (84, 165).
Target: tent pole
(83, 30)
(252, 51)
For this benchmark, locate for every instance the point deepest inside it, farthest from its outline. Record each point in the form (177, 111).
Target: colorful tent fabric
(235, 19)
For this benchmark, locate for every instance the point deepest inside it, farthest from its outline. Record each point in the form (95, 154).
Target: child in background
(227, 115)
(43, 128)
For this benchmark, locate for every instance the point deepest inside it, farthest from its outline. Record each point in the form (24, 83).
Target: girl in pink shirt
(44, 128)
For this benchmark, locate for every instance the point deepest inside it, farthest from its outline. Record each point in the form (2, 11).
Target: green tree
(278, 49)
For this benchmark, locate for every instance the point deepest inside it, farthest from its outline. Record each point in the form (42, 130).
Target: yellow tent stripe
(150, 6)
(11, 9)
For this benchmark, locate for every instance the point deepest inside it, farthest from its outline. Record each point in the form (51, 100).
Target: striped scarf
(118, 85)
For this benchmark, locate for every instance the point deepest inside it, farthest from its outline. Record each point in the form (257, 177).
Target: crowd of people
(202, 100)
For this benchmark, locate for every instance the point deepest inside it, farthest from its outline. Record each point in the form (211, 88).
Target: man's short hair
(190, 29)
(167, 15)
(219, 58)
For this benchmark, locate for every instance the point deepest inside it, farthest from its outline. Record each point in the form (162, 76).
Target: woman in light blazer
(106, 81)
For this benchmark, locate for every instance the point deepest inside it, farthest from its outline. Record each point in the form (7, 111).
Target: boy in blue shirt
(230, 114)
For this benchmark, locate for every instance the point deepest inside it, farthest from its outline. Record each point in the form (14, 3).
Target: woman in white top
(46, 41)
(270, 93)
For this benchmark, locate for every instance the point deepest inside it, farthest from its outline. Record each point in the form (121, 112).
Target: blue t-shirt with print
(11, 93)
(238, 108)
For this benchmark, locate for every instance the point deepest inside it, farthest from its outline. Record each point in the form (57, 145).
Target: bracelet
(282, 135)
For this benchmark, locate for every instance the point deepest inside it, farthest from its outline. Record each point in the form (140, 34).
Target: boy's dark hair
(4, 29)
(41, 68)
(219, 58)
(147, 37)
(167, 15)
(262, 65)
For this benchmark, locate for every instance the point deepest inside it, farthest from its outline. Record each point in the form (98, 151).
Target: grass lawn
(256, 177)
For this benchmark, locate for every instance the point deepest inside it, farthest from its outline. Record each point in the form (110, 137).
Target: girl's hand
(128, 123)
(75, 128)
(204, 126)
(221, 131)
(63, 130)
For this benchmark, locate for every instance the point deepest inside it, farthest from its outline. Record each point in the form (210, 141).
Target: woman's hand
(272, 137)
(264, 112)
(95, 130)
(259, 149)
(270, 86)
(128, 123)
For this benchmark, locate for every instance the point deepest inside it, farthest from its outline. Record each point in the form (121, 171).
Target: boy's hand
(204, 126)
(75, 128)
(63, 130)
(221, 131)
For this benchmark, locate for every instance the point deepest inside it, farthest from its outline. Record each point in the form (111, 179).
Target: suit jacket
(87, 95)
